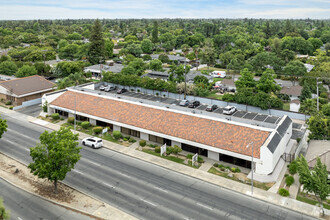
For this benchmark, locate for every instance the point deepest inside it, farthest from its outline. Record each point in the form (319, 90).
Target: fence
(303, 144)
(28, 103)
(207, 101)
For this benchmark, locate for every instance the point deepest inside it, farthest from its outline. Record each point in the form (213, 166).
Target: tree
(96, 49)
(69, 52)
(317, 43)
(208, 55)
(3, 126)
(154, 38)
(246, 80)
(8, 68)
(134, 49)
(146, 46)
(55, 155)
(26, 70)
(108, 46)
(5, 215)
(315, 180)
(267, 82)
(287, 55)
(308, 106)
(201, 79)
(295, 69)
(156, 65)
(319, 125)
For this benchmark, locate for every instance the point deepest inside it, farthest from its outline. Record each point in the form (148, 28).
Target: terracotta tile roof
(26, 85)
(213, 133)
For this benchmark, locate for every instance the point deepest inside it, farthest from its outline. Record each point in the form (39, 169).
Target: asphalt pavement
(145, 190)
(25, 206)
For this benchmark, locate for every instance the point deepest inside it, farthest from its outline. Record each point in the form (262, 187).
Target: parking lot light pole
(251, 166)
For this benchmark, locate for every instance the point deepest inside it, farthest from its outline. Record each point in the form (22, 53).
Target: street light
(251, 166)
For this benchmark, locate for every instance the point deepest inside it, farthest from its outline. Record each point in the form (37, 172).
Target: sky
(77, 9)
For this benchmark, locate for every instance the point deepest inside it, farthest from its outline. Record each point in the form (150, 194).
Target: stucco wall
(213, 155)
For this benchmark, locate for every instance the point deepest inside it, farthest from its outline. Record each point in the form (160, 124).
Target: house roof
(26, 85)
(192, 74)
(156, 75)
(218, 134)
(292, 90)
(116, 68)
(228, 82)
(171, 57)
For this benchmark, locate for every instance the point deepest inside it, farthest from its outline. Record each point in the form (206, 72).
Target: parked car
(120, 91)
(184, 103)
(211, 108)
(112, 88)
(194, 104)
(93, 142)
(229, 110)
(102, 87)
(107, 88)
(218, 74)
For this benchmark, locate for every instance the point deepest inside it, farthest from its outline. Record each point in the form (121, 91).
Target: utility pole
(185, 80)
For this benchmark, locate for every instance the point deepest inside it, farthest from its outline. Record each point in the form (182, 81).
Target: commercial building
(213, 137)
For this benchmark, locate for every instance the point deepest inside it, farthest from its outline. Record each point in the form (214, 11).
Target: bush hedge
(8, 102)
(189, 156)
(176, 149)
(293, 167)
(283, 192)
(85, 124)
(289, 180)
(157, 149)
(71, 120)
(117, 135)
(55, 116)
(97, 130)
(143, 143)
(131, 140)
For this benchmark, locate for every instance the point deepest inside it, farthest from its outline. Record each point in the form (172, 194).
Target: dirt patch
(20, 175)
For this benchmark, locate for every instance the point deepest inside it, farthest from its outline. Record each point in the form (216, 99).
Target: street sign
(105, 130)
(162, 150)
(195, 158)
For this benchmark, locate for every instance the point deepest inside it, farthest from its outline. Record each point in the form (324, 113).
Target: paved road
(145, 190)
(33, 110)
(25, 206)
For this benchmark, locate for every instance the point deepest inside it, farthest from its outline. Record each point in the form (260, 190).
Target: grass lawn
(264, 186)
(312, 202)
(214, 96)
(171, 158)
(286, 106)
(211, 69)
(217, 79)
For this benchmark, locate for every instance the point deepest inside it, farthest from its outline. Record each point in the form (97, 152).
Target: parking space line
(205, 206)
(111, 186)
(148, 202)
(78, 172)
(161, 189)
(254, 117)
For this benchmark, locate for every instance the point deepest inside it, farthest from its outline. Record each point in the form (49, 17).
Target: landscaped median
(172, 154)
(234, 173)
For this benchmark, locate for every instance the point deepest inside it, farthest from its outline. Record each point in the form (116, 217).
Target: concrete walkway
(198, 173)
(294, 188)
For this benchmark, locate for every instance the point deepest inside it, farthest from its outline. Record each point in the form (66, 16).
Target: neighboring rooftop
(292, 90)
(157, 75)
(116, 68)
(226, 136)
(27, 85)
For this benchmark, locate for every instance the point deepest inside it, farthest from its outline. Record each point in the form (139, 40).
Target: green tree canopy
(319, 125)
(267, 82)
(55, 155)
(26, 70)
(8, 68)
(156, 65)
(295, 69)
(5, 215)
(146, 46)
(246, 80)
(96, 49)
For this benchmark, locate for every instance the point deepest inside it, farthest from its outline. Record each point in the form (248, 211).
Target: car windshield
(99, 141)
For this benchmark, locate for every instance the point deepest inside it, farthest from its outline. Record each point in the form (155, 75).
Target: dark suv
(211, 108)
(194, 104)
(120, 91)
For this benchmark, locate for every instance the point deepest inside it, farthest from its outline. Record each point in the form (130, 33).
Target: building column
(213, 155)
(92, 121)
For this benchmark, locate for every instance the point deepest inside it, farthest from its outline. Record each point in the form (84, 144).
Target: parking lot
(239, 114)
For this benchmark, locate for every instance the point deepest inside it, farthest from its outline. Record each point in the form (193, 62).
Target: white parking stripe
(161, 189)
(78, 172)
(205, 206)
(111, 186)
(148, 202)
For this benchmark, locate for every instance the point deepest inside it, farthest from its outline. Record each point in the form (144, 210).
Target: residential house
(157, 75)
(293, 92)
(25, 89)
(99, 68)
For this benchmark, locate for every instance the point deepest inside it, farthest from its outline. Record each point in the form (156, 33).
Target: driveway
(33, 110)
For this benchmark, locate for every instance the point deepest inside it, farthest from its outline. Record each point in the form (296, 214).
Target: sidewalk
(200, 173)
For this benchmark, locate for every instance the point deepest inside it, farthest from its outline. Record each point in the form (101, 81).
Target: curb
(282, 204)
(52, 201)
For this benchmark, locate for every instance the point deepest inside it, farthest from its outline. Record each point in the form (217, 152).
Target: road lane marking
(78, 172)
(161, 189)
(22, 135)
(89, 161)
(27, 149)
(123, 174)
(148, 202)
(111, 186)
(205, 206)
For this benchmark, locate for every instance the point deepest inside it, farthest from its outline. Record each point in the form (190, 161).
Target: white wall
(91, 86)
(294, 107)
(213, 155)
(116, 128)
(92, 121)
(49, 98)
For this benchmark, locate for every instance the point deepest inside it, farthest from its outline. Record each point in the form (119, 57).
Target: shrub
(157, 94)
(117, 135)
(189, 156)
(138, 90)
(85, 124)
(131, 140)
(176, 149)
(143, 143)
(237, 170)
(169, 150)
(233, 170)
(298, 140)
(283, 192)
(289, 180)
(157, 149)
(97, 130)
(200, 159)
(152, 145)
(215, 165)
(285, 175)
(71, 120)
(132, 90)
(45, 107)
(11, 107)
(221, 166)
(8, 102)
(293, 167)
(55, 116)
(125, 139)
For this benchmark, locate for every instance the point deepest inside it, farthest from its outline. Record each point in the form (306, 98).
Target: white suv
(93, 142)
(229, 110)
